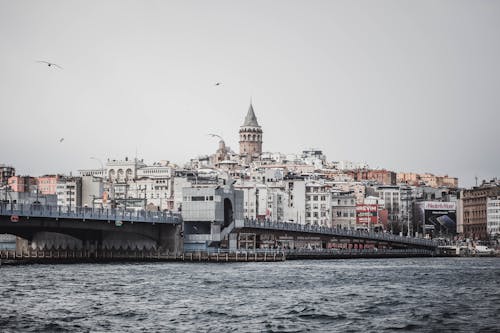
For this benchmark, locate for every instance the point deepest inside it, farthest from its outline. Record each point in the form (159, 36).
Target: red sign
(14, 218)
(366, 214)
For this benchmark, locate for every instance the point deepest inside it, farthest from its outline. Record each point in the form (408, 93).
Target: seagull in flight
(50, 64)
(216, 136)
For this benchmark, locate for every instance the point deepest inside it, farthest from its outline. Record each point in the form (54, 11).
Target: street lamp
(101, 186)
(102, 166)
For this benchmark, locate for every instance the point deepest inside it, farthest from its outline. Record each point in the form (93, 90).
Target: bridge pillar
(170, 238)
(22, 244)
(233, 242)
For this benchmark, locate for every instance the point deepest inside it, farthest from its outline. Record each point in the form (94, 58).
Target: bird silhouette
(50, 64)
(216, 136)
(218, 84)
(61, 140)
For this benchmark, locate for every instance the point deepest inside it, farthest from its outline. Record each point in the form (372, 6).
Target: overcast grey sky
(405, 85)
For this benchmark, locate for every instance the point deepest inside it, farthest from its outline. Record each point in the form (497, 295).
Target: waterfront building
(382, 214)
(295, 194)
(460, 212)
(131, 184)
(276, 202)
(407, 199)
(69, 191)
(493, 216)
(47, 184)
(343, 207)
(92, 191)
(248, 188)
(181, 180)
(21, 183)
(123, 170)
(250, 137)
(156, 170)
(475, 209)
(28, 198)
(367, 217)
(209, 214)
(392, 200)
(318, 203)
(152, 193)
(6, 172)
(261, 201)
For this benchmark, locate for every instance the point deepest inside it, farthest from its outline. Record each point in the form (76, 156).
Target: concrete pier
(91, 256)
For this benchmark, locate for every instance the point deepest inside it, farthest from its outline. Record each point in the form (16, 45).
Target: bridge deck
(86, 213)
(335, 232)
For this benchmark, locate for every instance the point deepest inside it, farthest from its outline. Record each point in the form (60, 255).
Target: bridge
(93, 231)
(47, 227)
(324, 233)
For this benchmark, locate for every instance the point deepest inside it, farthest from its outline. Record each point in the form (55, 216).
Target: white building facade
(493, 216)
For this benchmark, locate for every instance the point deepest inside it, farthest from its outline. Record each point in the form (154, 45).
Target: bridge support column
(22, 244)
(233, 242)
(170, 238)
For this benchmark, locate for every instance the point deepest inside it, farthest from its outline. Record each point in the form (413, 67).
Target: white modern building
(69, 191)
(493, 216)
(318, 203)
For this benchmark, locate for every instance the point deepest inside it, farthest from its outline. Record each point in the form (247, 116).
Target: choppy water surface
(422, 295)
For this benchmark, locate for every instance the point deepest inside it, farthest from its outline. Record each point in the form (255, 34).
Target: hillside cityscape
(303, 188)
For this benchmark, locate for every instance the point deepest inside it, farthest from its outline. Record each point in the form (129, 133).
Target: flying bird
(50, 64)
(216, 136)
(61, 140)
(218, 84)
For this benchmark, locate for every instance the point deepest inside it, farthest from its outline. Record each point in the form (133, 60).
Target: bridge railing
(319, 252)
(329, 252)
(307, 228)
(66, 212)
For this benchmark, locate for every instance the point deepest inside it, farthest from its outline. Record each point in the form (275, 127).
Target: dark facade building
(475, 209)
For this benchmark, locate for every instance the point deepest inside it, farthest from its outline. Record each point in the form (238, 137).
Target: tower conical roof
(251, 119)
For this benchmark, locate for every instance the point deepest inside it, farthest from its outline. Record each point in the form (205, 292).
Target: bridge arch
(55, 240)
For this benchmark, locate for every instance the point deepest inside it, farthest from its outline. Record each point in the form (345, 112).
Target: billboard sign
(366, 214)
(439, 218)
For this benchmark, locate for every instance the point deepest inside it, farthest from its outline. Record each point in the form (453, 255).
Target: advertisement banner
(439, 218)
(366, 214)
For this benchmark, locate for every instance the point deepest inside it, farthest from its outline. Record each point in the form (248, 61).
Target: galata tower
(250, 136)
